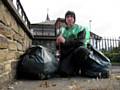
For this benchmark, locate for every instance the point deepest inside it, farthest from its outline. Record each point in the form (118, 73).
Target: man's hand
(60, 39)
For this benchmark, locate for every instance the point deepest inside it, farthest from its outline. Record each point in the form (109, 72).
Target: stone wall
(13, 42)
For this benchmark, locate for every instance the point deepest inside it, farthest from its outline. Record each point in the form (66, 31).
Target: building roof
(51, 22)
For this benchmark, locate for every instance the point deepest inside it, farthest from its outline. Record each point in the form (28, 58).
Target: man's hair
(70, 13)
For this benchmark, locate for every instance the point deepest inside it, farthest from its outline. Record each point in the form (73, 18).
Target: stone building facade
(44, 34)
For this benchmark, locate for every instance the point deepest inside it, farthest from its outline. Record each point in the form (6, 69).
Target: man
(72, 43)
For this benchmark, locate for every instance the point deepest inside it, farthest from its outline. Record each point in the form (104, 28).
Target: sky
(104, 14)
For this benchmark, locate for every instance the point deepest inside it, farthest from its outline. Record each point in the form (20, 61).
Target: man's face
(70, 20)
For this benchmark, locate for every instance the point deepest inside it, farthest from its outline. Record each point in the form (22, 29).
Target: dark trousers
(73, 60)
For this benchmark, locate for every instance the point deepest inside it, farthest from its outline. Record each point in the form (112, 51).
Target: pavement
(74, 83)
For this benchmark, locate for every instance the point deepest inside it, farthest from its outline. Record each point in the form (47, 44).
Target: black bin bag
(97, 65)
(40, 61)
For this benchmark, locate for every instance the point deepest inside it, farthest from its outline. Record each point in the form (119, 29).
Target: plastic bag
(40, 61)
(97, 65)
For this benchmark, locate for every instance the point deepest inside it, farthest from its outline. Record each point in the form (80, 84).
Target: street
(74, 83)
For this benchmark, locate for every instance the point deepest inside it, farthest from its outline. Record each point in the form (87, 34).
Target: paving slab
(73, 83)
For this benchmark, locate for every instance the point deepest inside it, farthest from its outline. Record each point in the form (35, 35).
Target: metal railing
(107, 44)
(21, 12)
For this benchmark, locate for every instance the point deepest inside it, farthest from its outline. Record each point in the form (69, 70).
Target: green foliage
(113, 55)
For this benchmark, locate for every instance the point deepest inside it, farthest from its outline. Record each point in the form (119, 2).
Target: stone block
(7, 67)
(18, 38)
(12, 45)
(3, 42)
(3, 54)
(4, 14)
(19, 47)
(11, 55)
(4, 80)
(8, 18)
(27, 43)
(6, 31)
(13, 69)
(19, 53)
(1, 68)
(21, 32)
(1, 10)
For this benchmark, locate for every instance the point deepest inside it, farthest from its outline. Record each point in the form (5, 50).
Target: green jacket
(75, 33)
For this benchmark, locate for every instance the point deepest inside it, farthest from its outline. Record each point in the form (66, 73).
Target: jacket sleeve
(75, 42)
